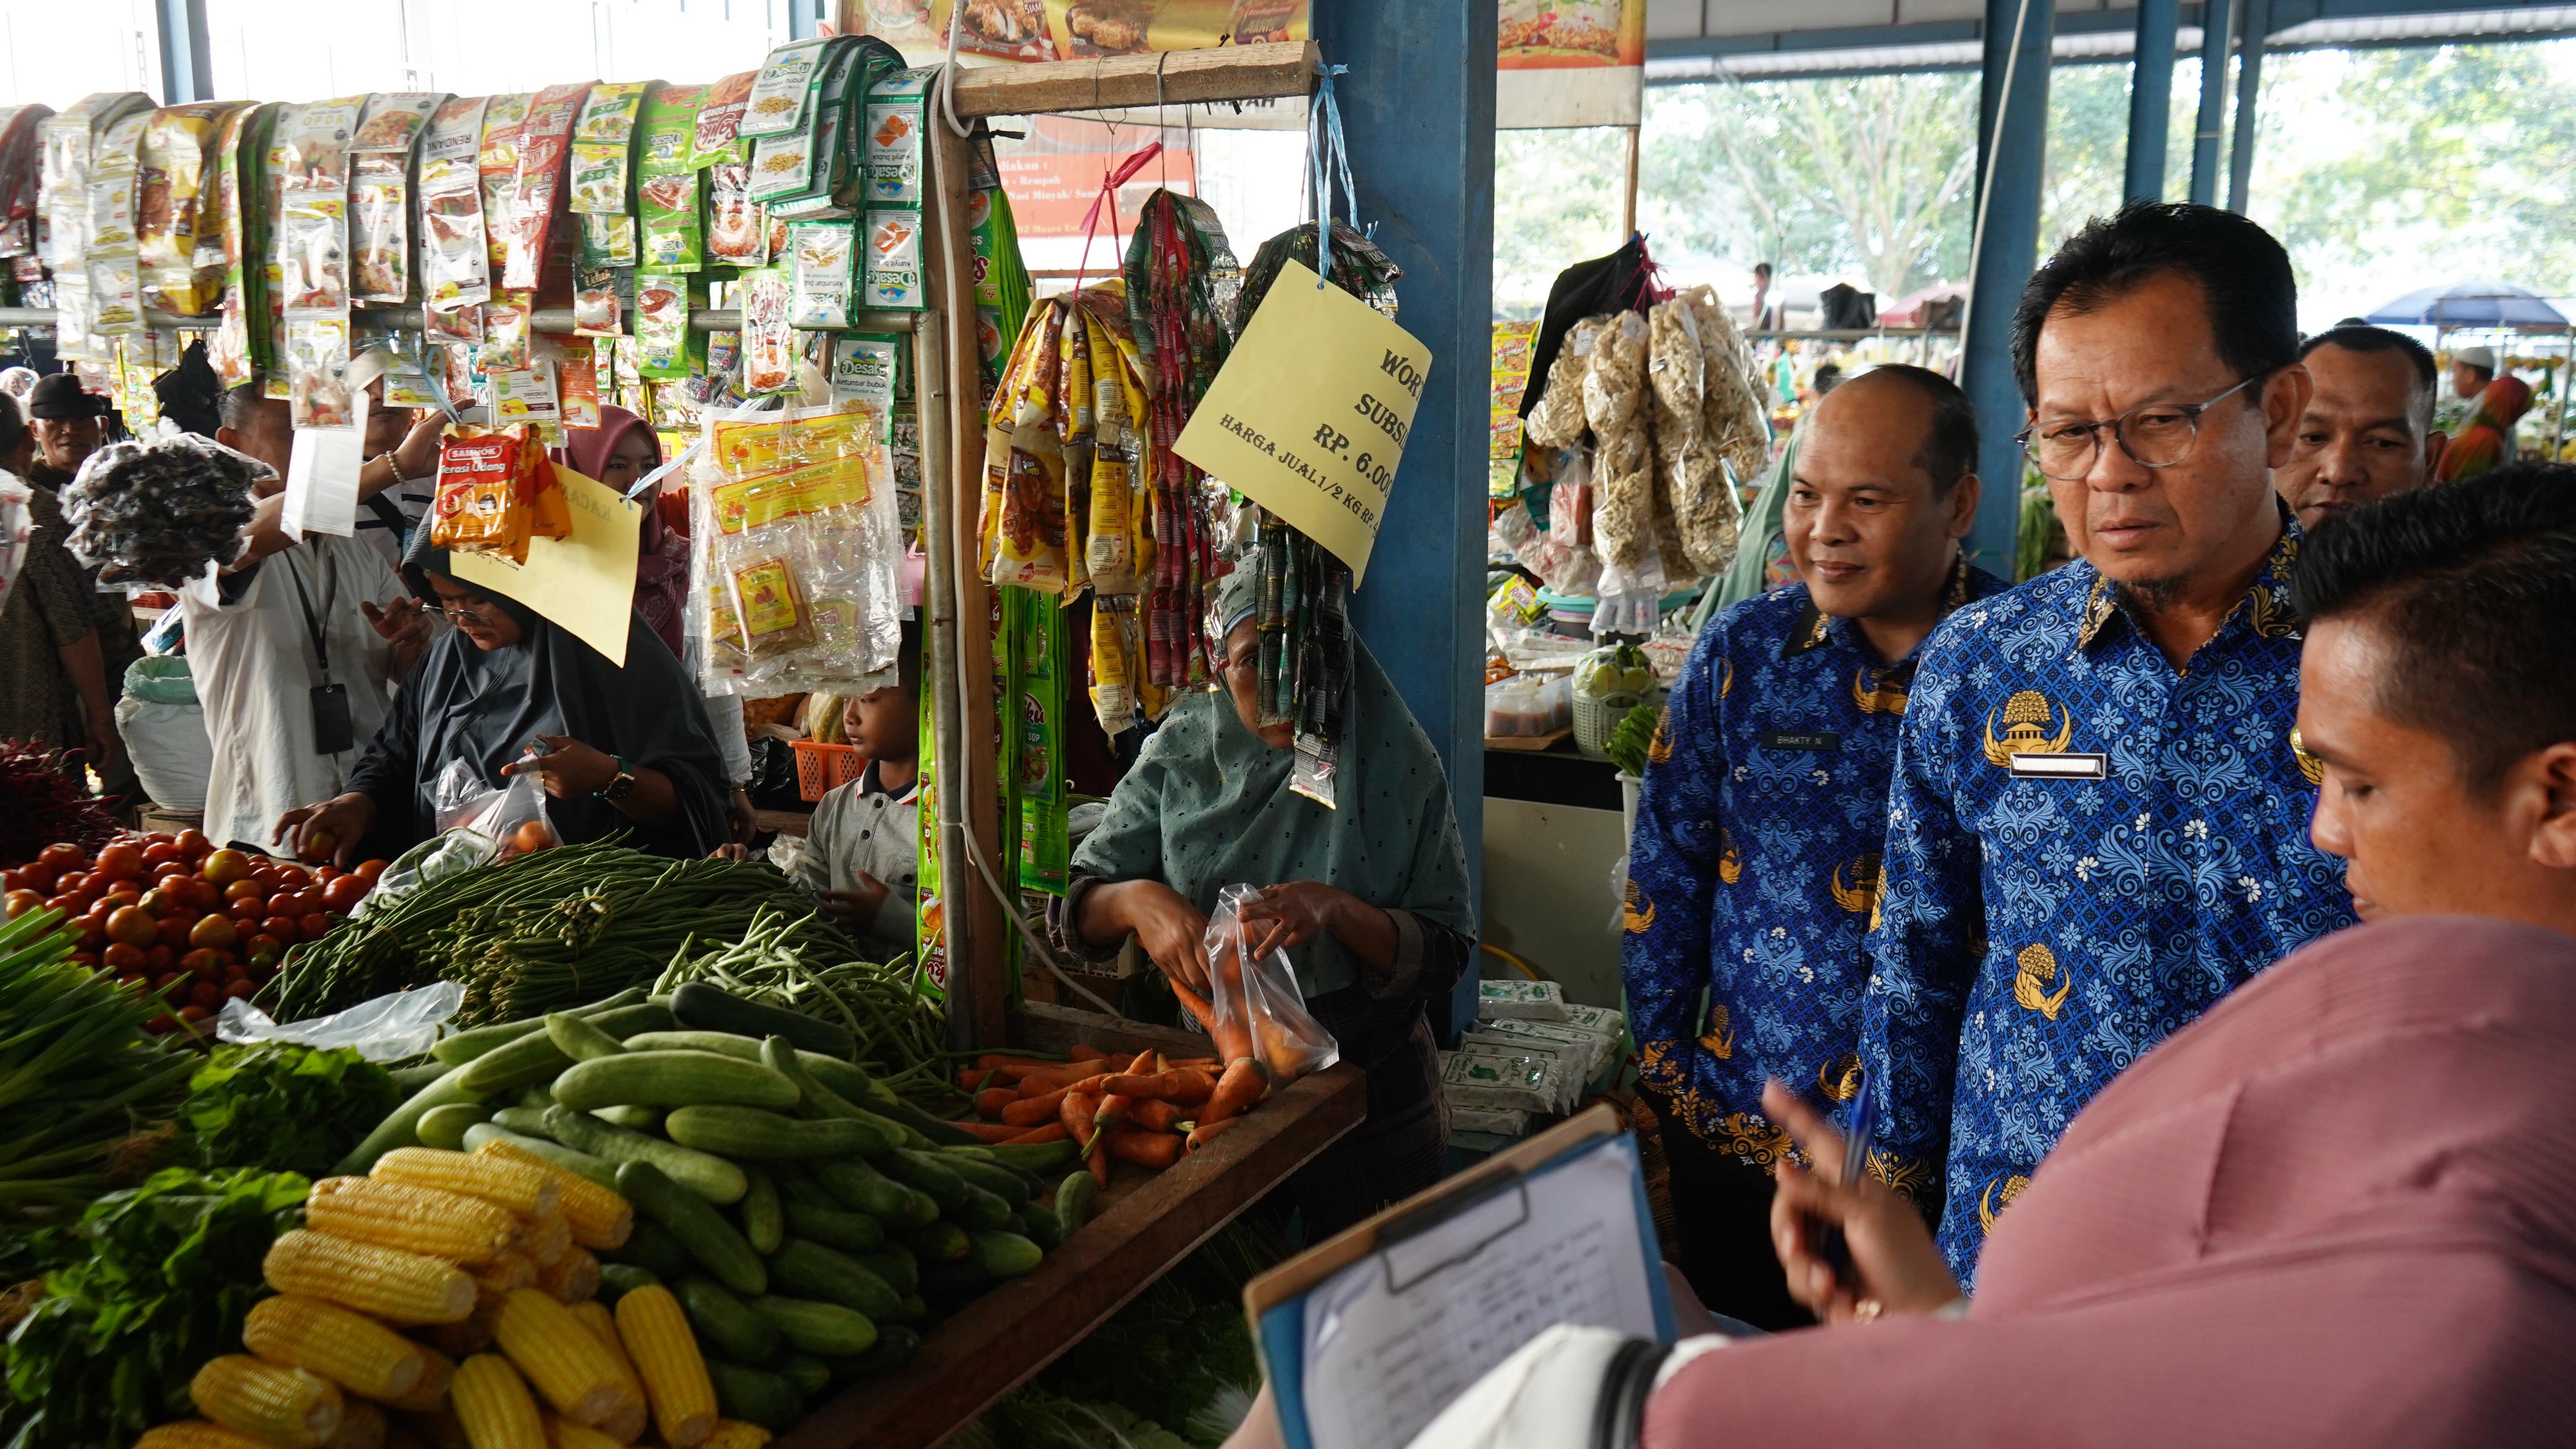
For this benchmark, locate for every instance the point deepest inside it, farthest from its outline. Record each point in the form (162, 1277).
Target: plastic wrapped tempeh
(1557, 421)
(1623, 514)
(1614, 386)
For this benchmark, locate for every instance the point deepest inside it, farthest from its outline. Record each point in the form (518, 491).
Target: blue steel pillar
(2151, 99)
(187, 67)
(2012, 131)
(2213, 102)
(1418, 114)
(2249, 91)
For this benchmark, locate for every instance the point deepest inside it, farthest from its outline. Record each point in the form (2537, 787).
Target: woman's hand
(571, 768)
(1172, 931)
(742, 820)
(343, 818)
(1294, 913)
(856, 908)
(1891, 1251)
(730, 851)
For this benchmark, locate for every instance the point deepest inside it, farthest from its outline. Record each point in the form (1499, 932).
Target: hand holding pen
(1851, 1246)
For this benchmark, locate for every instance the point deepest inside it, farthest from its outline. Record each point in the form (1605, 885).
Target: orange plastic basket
(820, 768)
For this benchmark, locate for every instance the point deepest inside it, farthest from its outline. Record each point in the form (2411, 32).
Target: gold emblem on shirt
(1840, 1081)
(1874, 697)
(1726, 679)
(2037, 968)
(1631, 917)
(1750, 1137)
(1720, 1039)
(2312, 768)
(1861, 894)
(2027, 717)
(1730, 864)
(1991, 1204)
(1660, 748)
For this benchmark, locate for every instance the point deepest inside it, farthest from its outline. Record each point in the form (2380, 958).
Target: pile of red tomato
(174, 914)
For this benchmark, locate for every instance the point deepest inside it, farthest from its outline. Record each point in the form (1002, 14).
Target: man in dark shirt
(1754, 866)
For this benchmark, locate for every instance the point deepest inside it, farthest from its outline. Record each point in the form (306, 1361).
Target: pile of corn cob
(485, 1259)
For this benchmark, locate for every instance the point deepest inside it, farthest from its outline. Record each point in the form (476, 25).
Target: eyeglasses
(459, 613)
(2154, 435)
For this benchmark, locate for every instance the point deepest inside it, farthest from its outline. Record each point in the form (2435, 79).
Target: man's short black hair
(2242, 272)
(2471, 585)
(2360, 337)
(243, 405)
(1761, 269)
(907, 658)
(1949, 451)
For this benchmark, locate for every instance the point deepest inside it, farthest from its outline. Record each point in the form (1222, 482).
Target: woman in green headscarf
(1370, 899)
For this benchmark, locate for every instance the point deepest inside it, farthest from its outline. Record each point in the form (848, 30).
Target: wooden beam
(979, 983)
(1227, 73)
(1151, 1221)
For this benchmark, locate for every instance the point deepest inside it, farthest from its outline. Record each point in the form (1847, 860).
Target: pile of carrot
(1147, 1110)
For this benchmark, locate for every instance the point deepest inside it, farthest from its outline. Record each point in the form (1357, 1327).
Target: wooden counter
(1149, 1221)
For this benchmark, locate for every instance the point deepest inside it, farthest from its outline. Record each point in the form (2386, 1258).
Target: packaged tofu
(1499, 1122)
(1520, 1000)
(1506, 1079)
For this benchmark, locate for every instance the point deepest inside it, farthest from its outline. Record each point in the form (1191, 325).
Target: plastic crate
(823, 768)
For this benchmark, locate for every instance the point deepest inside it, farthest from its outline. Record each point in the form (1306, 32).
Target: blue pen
(1830, 1244)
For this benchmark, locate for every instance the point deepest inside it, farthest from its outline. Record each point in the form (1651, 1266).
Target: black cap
(61, 395)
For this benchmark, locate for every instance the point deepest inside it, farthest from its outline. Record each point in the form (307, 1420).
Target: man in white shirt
(293, 646)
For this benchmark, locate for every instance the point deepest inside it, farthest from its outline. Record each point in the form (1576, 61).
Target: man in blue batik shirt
(1755, 859)
(2098, 825)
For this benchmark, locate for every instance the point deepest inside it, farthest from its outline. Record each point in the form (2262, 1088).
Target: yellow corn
(493, 1405)
(572, 1278)
(473, 1332)
(594, 1315)
(362, 1426)
(415, 1219)
(599, 1217)
(438, 1373)
(385, 1283)
(666, 1358)
(559, 1356)
(735, 1434)
(286, 1407)
(350, 1349)
(548, 1236)
(628, 1423)
(508, 1271)
(196, 1434)
(513, 1185)
(565, 1434)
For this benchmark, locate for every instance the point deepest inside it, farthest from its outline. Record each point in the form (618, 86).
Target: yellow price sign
(584, 584)
(1309, 415)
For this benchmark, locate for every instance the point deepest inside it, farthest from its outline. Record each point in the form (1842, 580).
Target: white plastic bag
(171, 753)
(387, 1029)
(514, 816)
(1262, 995)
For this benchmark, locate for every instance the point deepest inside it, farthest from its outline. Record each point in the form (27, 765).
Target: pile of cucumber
(809, 1221)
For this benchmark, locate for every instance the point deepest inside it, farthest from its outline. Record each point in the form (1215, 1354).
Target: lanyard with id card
(333, 732)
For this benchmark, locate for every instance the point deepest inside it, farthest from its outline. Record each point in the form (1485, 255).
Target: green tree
(1865, 175)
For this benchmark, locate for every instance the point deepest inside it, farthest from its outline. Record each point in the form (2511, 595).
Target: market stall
(795, 370)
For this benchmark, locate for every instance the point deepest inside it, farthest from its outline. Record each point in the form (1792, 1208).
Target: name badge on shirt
(2060, 767)
(1814, 741)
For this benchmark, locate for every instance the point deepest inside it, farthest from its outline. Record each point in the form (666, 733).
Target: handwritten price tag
(1310, 413)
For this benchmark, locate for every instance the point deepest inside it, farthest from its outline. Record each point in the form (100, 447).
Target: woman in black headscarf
(619, 749)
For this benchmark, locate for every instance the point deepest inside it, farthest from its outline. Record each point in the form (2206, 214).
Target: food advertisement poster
(1310, 413)
(1026, 30)
(1570, 63)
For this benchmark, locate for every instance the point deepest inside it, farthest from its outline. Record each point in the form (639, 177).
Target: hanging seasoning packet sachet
(776, 104)
(179, 227)
(390, 127)
(229, 351)
(544, 139)
(662, 333)
(768, 335)
(603, 146)
(670, 222)
(821, 271)
(454, 263)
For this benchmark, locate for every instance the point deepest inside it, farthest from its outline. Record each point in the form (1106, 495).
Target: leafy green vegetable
(286, 1107)
(76, 1069)
(170, 1268)
(1179, 1356)
(1633, 736)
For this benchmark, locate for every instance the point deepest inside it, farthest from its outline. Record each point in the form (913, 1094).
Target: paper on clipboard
(1396, 1335)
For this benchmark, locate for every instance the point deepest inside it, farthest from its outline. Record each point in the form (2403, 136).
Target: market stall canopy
(2470, 304)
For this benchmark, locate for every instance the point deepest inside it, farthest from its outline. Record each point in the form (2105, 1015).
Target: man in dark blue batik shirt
(2098, 825)
(1755, 861)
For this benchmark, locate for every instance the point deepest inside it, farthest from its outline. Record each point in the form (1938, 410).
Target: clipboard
(1486, 1232)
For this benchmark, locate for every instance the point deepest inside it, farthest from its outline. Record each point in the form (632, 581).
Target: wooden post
(952, 410)
(1628, 188)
